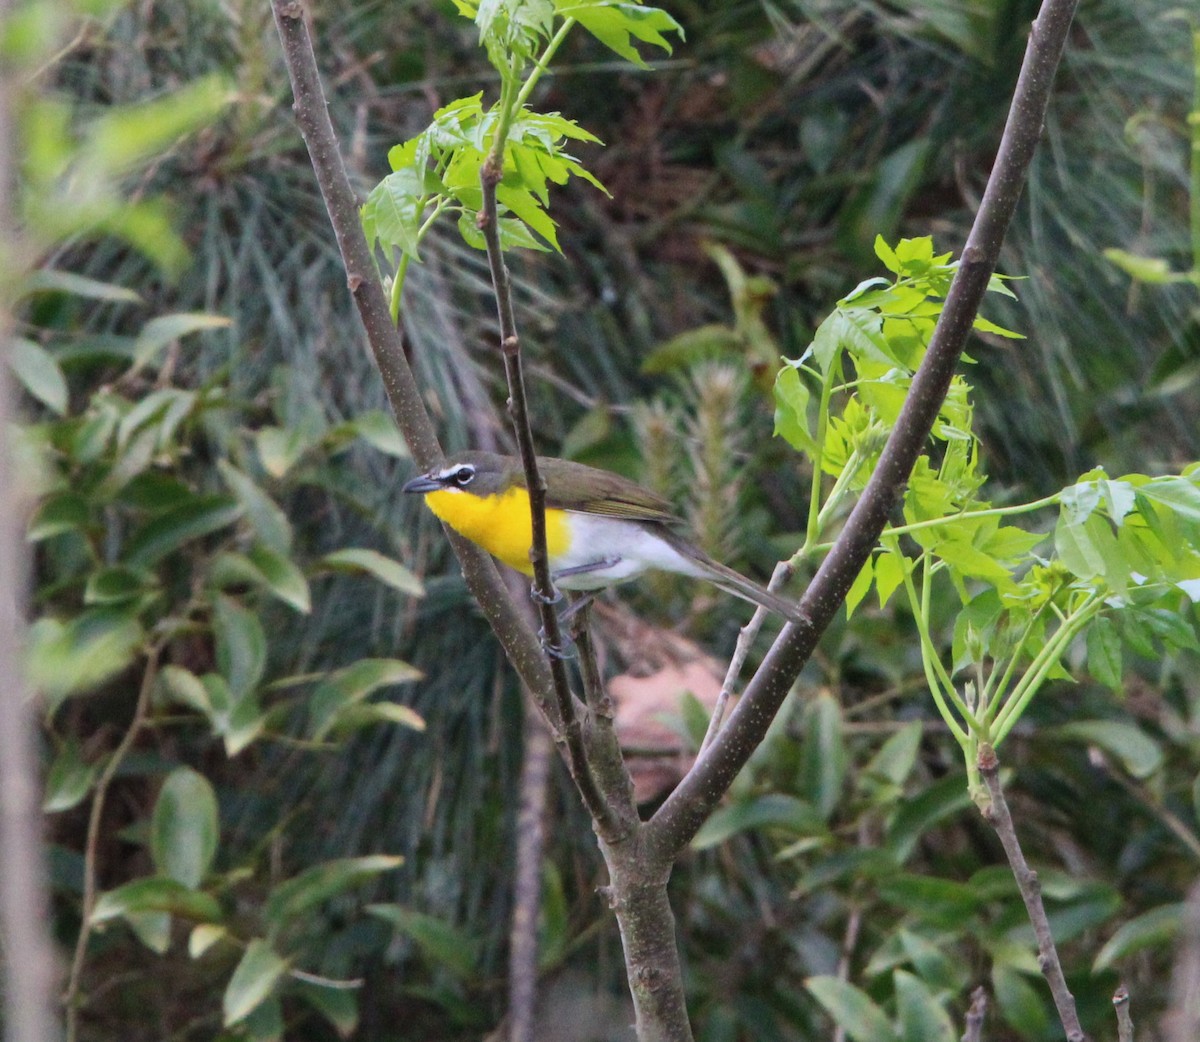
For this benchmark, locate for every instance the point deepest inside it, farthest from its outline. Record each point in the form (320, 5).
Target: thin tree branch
(975, 1015)
(527, 883)
(694, 799)
(745, 641)
(312, 117)
(1000, 819)
(543, 587)
(28, 997)
(1120, 1001)
(99, 797)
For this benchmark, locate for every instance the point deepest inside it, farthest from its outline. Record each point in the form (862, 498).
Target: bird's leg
(558, 651)
(583, 569)
(576, 606)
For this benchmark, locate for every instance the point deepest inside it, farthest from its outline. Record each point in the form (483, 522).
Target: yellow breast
(500, 524)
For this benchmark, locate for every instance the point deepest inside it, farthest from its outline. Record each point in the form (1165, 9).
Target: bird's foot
(562, 652)
(538, 597)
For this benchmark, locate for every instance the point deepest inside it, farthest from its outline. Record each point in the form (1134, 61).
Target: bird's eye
(463, 476)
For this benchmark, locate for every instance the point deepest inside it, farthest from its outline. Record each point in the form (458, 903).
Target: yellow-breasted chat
(601, 528)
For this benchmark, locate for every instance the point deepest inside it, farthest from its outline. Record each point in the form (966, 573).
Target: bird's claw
(562, 652)
(540, 598)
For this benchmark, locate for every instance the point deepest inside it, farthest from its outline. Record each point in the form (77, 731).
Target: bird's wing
(608, 495)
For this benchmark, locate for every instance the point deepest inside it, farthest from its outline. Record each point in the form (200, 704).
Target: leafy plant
(160, 572)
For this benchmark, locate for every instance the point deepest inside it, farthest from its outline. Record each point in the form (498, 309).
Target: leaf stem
(1035, 675)
(929, 656)
(543, 62)
(91, 844)
(1020, 508)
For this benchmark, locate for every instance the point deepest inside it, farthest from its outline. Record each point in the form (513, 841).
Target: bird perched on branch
(601, 528)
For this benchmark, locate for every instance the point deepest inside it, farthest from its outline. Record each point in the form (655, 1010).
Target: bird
(601, 528)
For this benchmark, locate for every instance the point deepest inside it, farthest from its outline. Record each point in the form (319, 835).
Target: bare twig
(527, 883)
(141, 709)
(1120, 1001)
(543, 587)
(676, 822)
(312, 116)
(1000, 819)
(746, 636)
(975, 1015)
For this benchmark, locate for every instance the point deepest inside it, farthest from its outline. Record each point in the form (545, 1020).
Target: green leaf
(772, 810)
(613, 24)
(156, 894)
(48, 280)
(39, 373)
(347, 687)
(179, 525)
(1158, 928)
(394, 211)
(185, 688)
(860, 587)
(269, 522)
(153, 929)
(354, 717)
(886, 254)
(117, 585)
(378, 429)
(823, 757)
(941, 902)
(922, 1018)
(203, 937)
(1104, 653)
(984, 326)
(264, 1023)
(300, 895)
(896, 757)
(889, 574)
(262, 566)
(442, 943)
(121, 136)
(1152, 270)
(1021, 1004)
(374, 563)
(69, 779)
(280, 448)
(852, 1010)
(339, 1006)
(159, 332)
(241, 645)
(1140, 754)
(934, 804)
(253, 982)
(75, 657)
(62, 512)
(791, 411)
(184, 828)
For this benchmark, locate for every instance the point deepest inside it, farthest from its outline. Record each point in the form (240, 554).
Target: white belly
(630, 549)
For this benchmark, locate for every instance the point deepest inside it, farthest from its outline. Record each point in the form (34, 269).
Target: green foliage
(440, 169)
(160, 572)
(1125, 549)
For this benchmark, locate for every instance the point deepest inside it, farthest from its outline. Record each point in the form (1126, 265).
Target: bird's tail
(735, 583)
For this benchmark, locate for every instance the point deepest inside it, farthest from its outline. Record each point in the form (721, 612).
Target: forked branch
(698, 794)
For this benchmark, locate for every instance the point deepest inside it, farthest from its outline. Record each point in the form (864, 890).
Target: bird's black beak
(423, 483)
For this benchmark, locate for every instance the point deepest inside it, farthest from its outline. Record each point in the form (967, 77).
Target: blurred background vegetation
(749, 176)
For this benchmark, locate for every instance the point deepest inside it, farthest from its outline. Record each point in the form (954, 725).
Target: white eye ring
(463, 475)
